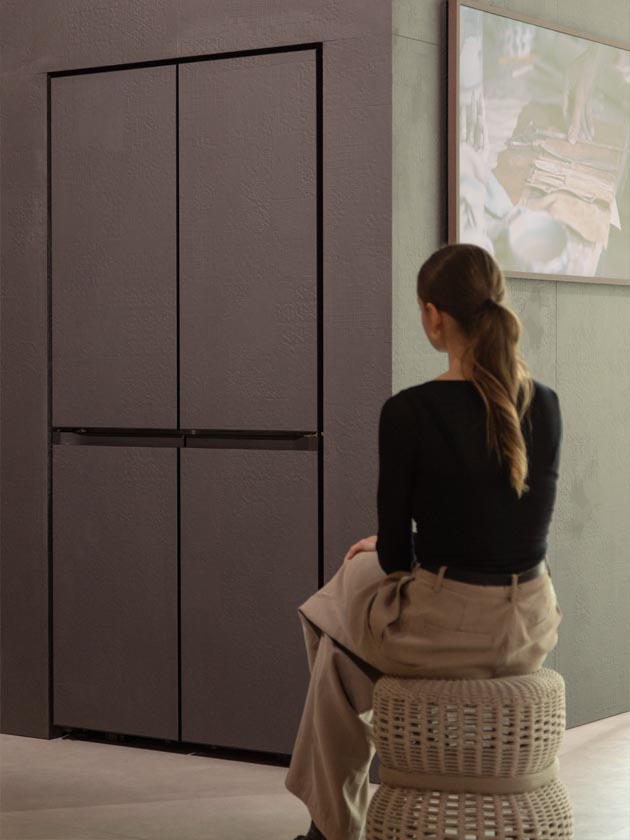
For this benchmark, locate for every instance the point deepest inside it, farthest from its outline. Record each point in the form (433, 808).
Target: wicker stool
(470, 759)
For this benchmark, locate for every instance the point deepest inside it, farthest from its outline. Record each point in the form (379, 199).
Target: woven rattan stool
(470, 759)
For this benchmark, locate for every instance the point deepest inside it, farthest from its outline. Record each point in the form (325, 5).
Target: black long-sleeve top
(435, 468)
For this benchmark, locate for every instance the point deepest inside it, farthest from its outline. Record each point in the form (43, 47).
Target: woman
(472, 456)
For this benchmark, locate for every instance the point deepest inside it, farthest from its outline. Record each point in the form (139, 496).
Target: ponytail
(465, 281)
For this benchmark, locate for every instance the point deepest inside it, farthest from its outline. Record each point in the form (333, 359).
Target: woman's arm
(398, 440)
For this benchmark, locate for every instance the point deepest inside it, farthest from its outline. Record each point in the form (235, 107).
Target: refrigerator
(185, 306)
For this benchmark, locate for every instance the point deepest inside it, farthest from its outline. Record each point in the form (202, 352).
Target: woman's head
(461, 290)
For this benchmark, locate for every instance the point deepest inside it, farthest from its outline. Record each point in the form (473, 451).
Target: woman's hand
(366, 544)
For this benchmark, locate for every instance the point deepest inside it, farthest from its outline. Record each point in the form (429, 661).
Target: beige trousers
(364, 623)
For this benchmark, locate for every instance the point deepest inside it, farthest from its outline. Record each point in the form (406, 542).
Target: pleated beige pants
(364, 623)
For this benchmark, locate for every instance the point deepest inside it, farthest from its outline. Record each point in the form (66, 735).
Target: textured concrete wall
(575, 335)
(576, 338)
(40, 37)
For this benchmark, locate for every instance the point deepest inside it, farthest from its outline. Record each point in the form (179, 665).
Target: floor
(67, 789)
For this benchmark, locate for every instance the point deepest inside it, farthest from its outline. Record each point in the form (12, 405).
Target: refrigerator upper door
(248, 242)
(114, 247)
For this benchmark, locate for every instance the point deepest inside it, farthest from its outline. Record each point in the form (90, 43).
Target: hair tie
(488, 303)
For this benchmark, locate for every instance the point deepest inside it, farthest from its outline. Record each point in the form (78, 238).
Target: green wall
(576, 338)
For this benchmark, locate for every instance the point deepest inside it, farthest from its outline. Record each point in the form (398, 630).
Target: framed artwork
(539, 146)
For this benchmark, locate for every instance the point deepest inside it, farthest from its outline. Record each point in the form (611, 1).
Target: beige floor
(76, 790)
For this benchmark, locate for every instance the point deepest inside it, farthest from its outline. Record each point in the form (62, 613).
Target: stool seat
(470, 759)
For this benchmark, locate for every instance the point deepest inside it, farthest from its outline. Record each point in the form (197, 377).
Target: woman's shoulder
(544, 389)
(545, 406)
(436, 391)
(545, 395)
(433, 396)
(540, 387)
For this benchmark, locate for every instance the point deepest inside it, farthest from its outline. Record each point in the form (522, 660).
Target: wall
(575, 335)
(39, 37)
(576, 338)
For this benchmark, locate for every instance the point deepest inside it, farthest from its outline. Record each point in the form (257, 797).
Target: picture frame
(538, 145)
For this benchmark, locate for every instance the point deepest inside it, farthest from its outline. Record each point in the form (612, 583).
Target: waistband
(482, 579)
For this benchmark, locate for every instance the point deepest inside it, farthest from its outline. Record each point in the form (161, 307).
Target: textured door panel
(248, 243)
(114, 291)
(248, 560)
(115, 589)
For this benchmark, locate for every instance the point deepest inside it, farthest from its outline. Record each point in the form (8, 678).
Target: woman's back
(434, 467)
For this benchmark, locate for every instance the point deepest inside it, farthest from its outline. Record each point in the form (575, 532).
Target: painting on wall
(539, 146)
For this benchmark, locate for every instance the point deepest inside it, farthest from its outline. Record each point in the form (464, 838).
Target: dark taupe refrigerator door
(114, 271)
(115, 654)
(248, 243)
(248, 560)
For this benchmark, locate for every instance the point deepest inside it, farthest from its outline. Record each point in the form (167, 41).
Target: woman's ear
(432, 313)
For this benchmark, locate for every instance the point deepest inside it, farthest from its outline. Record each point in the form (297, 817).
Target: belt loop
(440, 577)
(513, 588)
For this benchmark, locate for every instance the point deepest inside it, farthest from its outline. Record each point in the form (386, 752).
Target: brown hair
(466, 282)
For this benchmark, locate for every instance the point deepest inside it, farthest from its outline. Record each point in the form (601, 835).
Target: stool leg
(334, 746)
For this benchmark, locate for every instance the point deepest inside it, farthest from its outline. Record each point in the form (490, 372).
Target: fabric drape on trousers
(364, 623)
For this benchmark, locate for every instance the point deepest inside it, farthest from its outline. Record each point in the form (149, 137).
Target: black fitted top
(434, 467)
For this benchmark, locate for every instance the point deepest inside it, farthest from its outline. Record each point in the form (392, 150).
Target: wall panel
(113, 216)
(248, 244)
(114, 582)
(248, 559)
